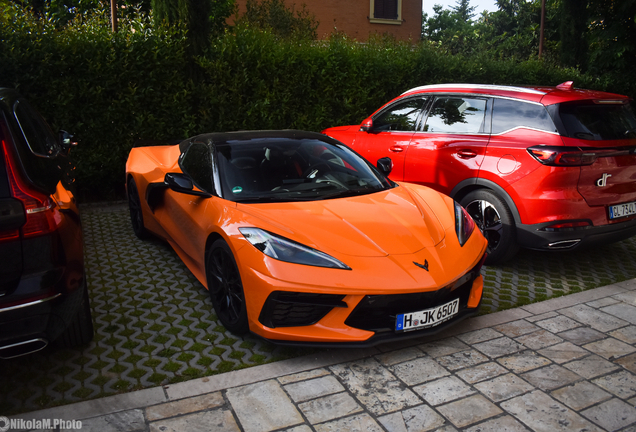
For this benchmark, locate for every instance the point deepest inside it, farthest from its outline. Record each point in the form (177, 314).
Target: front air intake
(293, 309)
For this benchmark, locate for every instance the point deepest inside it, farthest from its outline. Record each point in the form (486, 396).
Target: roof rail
(478, 87)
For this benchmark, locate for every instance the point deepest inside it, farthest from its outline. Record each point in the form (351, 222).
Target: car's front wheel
(494, 219)
(226, 288)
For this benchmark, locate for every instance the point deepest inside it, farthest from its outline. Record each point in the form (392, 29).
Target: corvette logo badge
(424, 266)
(602, 182)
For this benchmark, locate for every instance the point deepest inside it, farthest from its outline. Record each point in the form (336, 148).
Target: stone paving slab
(486, 375)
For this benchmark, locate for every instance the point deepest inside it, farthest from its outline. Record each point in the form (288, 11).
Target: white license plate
(622, 210)
(426, 318)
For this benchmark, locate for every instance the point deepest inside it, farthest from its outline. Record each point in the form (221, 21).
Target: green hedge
(111, 90)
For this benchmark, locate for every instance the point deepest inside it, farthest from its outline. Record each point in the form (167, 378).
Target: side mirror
(67, 141)
(366, 125)
(385, 165)
(182, 183)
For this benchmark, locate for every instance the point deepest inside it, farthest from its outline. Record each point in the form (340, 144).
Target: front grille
(378, 313)
(292, 309)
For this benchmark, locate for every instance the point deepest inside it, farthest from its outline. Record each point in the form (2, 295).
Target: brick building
(360, 18)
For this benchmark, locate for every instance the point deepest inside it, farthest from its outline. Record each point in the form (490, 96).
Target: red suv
(43, 293)
(544, 168)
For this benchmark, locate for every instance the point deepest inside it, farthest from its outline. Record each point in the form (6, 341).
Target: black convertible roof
(223, 137)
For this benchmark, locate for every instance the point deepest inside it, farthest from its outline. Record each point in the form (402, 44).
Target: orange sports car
(300, 240)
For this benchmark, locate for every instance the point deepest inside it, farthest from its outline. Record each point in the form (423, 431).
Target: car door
(186, 218)
(450, 144)
(391, 133)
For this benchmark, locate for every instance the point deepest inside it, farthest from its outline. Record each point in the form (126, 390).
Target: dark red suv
(43, 294)
(543, 168)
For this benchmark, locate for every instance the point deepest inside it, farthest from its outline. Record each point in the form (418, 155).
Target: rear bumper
(30, 326)
(533, 236)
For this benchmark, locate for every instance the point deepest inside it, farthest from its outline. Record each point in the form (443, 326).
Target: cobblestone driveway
(154, 322)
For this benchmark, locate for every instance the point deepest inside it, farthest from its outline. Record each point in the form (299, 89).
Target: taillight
(41, 217)
(564, 156)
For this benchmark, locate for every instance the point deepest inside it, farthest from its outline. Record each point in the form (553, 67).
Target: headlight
(290, 251)
(464, 224)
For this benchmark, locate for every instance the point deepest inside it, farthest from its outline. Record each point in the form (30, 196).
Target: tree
(574, 26)
(514, 30)
(452, 30)
(201, 18)
(612, 32)
(463, 11)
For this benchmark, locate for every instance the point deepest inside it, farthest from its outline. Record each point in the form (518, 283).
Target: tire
(495, 221)
(136, 215)
(226, 288)
(80, 331)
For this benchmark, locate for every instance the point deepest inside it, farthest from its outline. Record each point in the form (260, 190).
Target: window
(40, 153)
(595, 122)
(401, 116)
(511, 114)
(385, 11)
(197, 163)
(38, 135)
(456, 115)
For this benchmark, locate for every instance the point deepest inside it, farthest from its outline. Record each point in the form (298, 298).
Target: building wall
(352, 18)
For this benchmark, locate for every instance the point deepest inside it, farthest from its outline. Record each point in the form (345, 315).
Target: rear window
(38, 134)
(598, 121)
(37, 148)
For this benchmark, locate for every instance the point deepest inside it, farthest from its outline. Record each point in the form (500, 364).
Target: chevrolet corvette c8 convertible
(301, 241)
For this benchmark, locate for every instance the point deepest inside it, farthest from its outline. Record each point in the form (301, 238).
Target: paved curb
(175, 392)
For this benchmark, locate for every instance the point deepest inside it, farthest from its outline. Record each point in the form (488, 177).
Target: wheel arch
(129, 176)
(464, 187)
(212, 237)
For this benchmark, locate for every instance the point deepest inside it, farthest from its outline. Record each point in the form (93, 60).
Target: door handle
(466, 154)
(396, 149)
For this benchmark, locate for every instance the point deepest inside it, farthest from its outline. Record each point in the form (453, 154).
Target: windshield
(282, 169)
(598, 121)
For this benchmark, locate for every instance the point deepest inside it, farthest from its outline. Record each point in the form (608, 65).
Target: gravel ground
(154, 322)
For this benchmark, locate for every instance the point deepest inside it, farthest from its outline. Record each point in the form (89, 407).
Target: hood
(391, 222)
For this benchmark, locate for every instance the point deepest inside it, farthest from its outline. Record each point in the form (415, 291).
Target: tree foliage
(612, 37)
(201, 18)
(593, 35)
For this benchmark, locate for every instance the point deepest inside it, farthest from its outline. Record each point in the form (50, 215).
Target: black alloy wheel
(495, 221)
(226, 288)
(136, 215)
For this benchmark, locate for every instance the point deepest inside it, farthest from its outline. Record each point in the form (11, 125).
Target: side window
(510, 114)
(38, 135)
(197, 163)
(456, 115)
(401, 116)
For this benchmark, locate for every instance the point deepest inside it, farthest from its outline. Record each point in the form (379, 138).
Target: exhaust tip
(566, 244)
(22, 348)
